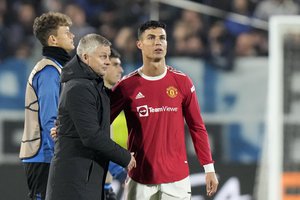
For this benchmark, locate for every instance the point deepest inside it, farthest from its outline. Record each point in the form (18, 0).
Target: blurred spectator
(261, 42)
(266, 8)
(188, 36)
(180, 34)
(194, 20)
(107, 21)
(239, 7)
(136, 12)
(245, 45)
(3, 30)
(109, 31)
(195, 46)
(79, 27)
(21, 30)
(52, 5)
(186, 43)
(251, 44)
(220, 52)
(3, 7)
(241, 41)
(125, 41)
(92, 8)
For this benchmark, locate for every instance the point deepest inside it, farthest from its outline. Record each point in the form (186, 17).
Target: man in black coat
(83, 147)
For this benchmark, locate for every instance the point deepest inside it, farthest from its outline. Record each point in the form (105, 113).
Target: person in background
(112, 76)
(156, 100)
(52, 29)
(83, 147)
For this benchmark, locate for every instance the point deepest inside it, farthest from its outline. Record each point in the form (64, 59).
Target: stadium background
(228, 62)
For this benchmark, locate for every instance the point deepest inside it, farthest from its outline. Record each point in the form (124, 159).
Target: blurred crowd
(192, 34)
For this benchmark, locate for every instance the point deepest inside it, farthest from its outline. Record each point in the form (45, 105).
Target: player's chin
(157, 59)
(159, 56)
(70, 48)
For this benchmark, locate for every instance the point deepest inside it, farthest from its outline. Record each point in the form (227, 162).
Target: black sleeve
(82, 105)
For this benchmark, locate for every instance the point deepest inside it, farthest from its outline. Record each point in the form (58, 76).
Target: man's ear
(139, 44)
(85, 57)
(52, 41)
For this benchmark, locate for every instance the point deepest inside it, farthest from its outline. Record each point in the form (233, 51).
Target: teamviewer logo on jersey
(143, 111)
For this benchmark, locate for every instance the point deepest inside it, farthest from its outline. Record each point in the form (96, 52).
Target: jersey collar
(152, 78)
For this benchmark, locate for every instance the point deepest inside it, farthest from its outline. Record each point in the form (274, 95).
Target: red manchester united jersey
(155, 109)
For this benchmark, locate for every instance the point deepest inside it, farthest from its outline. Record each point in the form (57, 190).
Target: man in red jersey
(156, 99)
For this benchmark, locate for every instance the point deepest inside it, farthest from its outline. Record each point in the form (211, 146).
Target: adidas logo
(139, 96)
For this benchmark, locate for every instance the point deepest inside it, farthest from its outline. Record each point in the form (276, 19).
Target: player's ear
(139, 44)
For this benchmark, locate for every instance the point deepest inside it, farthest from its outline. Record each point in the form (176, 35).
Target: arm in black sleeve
(82, 105)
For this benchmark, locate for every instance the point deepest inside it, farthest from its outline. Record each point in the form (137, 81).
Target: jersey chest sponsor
(145, 110)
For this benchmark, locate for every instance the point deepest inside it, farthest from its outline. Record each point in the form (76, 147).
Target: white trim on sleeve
(209, 168)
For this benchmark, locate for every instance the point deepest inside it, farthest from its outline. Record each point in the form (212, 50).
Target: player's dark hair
(149, 25)
(114, 53)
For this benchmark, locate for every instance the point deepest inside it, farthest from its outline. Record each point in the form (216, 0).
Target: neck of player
(153, 68)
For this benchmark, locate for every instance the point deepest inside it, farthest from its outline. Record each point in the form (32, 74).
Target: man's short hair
(89, 43)
(47, 24)
(149, 25)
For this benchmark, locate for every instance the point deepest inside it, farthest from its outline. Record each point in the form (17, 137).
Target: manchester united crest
(172, 92)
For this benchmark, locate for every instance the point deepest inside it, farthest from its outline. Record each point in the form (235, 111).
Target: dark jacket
(83, 147)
